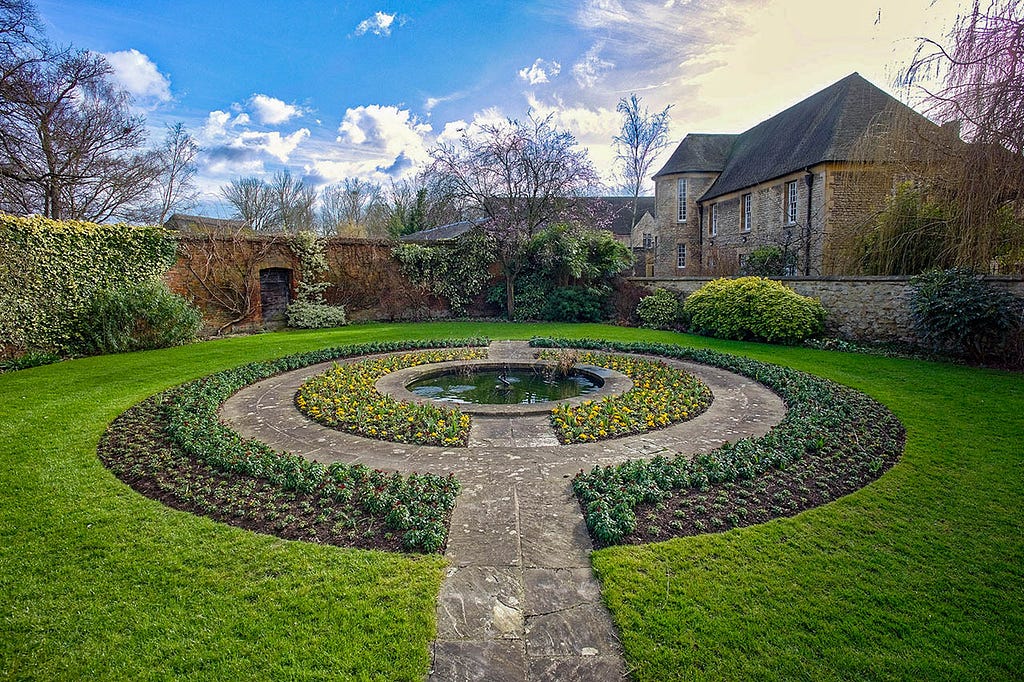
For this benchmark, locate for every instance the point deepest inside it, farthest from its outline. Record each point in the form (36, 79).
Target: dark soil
(136, 449)
(811, 482)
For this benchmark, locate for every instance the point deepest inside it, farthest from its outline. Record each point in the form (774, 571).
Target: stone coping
(394, 384)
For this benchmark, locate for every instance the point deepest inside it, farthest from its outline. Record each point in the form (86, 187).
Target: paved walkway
(519, 600)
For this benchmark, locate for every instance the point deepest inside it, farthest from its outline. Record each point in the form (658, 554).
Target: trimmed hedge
(753, 308)
(418, 505)
(50, 270)
(841, 428)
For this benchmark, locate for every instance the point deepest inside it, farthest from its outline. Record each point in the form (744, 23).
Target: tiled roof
(441, 232)
(621, 210)
(699, 152)
(198, 223)
(824, 127)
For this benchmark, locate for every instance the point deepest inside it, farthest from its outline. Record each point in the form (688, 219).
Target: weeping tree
(519, 176)
(965, 204)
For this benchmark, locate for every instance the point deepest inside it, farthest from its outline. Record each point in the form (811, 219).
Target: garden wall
(221, 275)
(859, 308)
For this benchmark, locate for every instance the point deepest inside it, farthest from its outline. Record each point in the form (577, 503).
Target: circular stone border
(394, 384)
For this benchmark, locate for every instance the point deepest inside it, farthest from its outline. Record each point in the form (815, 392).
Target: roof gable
(826, 126)
(699, 152)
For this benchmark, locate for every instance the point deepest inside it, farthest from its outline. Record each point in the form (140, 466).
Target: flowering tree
(520, 176)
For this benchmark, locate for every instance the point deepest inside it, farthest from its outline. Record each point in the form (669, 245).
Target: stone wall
(859, 308)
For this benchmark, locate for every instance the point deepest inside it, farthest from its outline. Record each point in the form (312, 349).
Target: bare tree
(293, 203)
(519, 176)
(643, 136)
(21, 39)
(69, 147)
(351, 208)
(175, 184)
(252, 202)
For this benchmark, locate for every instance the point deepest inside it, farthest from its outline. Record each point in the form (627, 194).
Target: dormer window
(681, 187)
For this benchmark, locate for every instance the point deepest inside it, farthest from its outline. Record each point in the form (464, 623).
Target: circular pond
(501, 387)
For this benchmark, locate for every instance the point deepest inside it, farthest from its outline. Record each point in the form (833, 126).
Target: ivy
(50, 270)
(456, 270)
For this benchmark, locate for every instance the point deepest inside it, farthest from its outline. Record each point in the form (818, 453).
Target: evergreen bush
(955, 311)
(140, 317)
(660, 310)
(753, 308)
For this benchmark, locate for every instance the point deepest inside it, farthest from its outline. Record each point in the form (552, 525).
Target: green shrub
(753, 308)
(576, 304)
(661, 310)
(28, 360)
(140, 317)
(51, 269)
(308, 315)
(769, 261)
(955, 311)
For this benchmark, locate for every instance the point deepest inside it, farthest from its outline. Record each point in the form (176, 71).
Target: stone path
(519, 600)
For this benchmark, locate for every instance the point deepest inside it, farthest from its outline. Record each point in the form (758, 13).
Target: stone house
(793, 181)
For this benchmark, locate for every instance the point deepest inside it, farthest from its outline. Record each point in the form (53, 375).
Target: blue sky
(363, 89)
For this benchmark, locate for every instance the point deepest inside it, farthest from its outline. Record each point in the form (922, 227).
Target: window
(714, 220)
(745, 211)
(743, 262)
(681, 186)
(648, 240)
(680, 255)
(791, 203)
(711, 262)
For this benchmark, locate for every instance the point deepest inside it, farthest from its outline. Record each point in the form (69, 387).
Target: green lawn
(918, 576)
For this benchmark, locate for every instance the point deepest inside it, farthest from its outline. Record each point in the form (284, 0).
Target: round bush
(661, 310)
(956, 311)
(140, 317)
(753, 308)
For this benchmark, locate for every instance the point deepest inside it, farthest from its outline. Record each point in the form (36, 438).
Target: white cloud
(432, 102)
(386, 130)
(589, 70)
(541, 71)
(379, 24)
(272, 111)
(136, 73)
(273, 143)
(602, 14)
(218, 125)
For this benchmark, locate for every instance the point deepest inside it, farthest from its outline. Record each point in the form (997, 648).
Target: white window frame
(681, 256)
(714, 220)
(746, 218)
(648, 240)
(791, 200)
(681, 200)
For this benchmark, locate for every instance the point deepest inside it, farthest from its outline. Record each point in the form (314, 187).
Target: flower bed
(833, 440)
(174, 448)
(344, 398)
(661, 395)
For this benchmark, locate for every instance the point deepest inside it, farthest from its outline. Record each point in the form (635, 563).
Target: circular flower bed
(661, 395)
(833, 440)
(172, 447)
(344, 398)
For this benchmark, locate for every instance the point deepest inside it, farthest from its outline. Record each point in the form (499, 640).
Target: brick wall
(220, 274)
(859, 308)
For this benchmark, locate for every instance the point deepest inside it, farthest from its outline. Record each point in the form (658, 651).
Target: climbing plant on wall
(50, 270)
(458, 270)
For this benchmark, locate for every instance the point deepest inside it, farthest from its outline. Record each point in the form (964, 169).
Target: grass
(917, 576)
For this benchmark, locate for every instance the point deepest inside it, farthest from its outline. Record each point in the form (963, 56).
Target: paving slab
(519, 600)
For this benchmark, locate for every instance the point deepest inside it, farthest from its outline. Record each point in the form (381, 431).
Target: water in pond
(500, 388)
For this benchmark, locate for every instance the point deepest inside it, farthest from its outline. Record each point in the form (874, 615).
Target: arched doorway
(275, 294)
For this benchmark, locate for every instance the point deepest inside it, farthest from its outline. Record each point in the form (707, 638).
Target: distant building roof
(443, 233)
(197, 223)
(621, 209)
(699, 153)
(826, 126)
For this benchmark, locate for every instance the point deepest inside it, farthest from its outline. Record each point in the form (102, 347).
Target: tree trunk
(510, 295)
